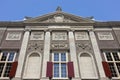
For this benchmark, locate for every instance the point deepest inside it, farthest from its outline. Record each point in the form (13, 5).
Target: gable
(58, 17)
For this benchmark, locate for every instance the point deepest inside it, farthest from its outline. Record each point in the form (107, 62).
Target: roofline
(96, 24)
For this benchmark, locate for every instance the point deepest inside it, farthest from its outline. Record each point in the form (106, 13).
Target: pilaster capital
(91, 30)
(27, 29)
(48, 30)
(70, 30)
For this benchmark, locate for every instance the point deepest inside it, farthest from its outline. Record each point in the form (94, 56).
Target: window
(60, 60)
(113, 59)
(6, 60)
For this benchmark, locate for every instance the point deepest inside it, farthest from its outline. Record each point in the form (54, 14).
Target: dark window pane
(4, 56)
(11, 56)
(1, 68)
(109, 58)
(116, 57)
(63, 70)
(7, 69)
(56, 56)
(112, 69)
(118, 67)
(63, 56)
(56, 70)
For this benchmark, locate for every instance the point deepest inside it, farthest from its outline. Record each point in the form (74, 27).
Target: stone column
(22, 56)
(73, 55)
(97, 54)
(46, 56)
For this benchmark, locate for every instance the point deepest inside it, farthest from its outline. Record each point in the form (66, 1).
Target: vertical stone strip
(46, 55)
(73, 55)
(97, 53)
(22, 55)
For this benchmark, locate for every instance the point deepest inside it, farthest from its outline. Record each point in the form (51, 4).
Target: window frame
(113, 61)
(6, 62)
(60, 62)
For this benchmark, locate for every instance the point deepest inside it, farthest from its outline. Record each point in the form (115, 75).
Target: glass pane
(116, 57)
(7, 69)
(4, 56)
(63, 56)
(56, 70)
(11, 56)
(118, 67)
(1, 68)
(63, 70)
(108, 56)
(56, 56)
(112, 68)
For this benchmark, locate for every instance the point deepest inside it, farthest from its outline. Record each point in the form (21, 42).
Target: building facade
(59, 46)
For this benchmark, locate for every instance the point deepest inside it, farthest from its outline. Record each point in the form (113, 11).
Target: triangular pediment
(59, 17)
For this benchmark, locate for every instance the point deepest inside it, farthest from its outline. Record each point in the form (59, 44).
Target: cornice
(109, 24)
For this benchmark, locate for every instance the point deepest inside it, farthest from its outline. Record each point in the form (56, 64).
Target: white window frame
(5, 62)
(60, 62)
(113, 61)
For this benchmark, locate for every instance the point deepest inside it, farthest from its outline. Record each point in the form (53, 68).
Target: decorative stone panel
(35, 46)
(81, 36)
(59, 35)
(59, 46)
(105, 36)
(37, 36)
(13, 36)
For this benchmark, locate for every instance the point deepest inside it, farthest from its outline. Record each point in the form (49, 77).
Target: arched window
(87, 66)
(33, 66)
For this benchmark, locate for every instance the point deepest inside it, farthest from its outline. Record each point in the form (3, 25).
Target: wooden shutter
(106, 69)
(49, 72)
(70, 70)
(13, 69)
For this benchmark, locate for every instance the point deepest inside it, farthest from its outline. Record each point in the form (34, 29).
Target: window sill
(4, 78)
(27, 78)
(115, 78)
(60, 78)
(92, 78)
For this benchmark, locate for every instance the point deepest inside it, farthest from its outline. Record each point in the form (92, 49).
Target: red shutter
(13, 69)
(70, 70)
(106, 69)
(49, 72)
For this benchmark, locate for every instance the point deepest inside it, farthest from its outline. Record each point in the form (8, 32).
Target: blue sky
(103, 10)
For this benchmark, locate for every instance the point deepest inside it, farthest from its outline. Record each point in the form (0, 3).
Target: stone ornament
(37, 36)
(59, 46)
(105, 36)
(13, 36)
(83, 45)
(59, 36)
(81, 36)
(35, 46)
